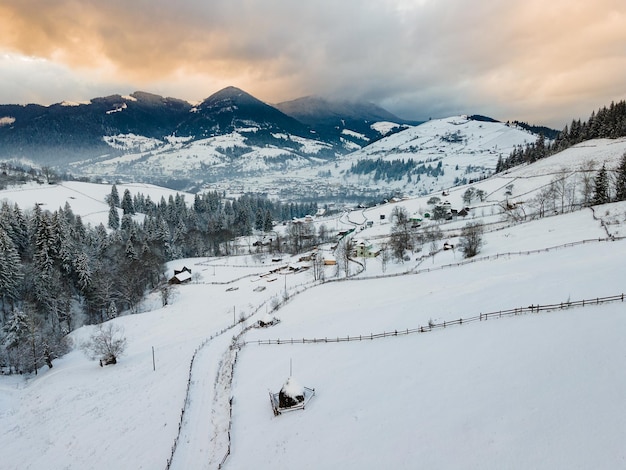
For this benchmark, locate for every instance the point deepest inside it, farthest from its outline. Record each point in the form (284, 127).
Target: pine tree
(19, 233)
(268, 224)
(10, 269)
(114, 197)
(112, 311)
(127, 203)
(16, 330)
(601, 187)
(83, 271)
(23, 342)
(258, 221)
(127, 223)
(620, 181)
(114, 218)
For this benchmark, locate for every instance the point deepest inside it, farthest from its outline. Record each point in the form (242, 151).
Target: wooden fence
(189, 382)
(446, 324)
(481, 258)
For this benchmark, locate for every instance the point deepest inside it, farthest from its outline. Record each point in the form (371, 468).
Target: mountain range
(67, 132)
(235, 142)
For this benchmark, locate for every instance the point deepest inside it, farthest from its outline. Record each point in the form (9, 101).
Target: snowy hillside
(86, 199)
(436, 155)
(225, 155)
(539, 390)
(465, 149)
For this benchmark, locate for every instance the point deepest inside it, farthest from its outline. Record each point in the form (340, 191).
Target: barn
(181, 276)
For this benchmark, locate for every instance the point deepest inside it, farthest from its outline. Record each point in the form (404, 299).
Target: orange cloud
(426, 57)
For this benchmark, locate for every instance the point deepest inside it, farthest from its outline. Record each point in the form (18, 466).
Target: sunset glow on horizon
(540, 62)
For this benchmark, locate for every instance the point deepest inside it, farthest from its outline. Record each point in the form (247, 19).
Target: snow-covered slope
(225, 156)
(444, 153)
(541, 390)
(86, 199)
(467, 149)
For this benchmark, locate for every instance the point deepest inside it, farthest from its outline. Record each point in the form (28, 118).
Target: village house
(181, 276)
(363, 249)
(416, 219)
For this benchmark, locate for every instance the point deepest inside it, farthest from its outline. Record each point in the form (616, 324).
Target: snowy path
(204, 439)
(197, 436)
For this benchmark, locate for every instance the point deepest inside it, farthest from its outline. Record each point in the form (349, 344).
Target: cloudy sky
(544, 62)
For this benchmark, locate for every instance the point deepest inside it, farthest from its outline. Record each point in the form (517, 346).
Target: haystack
(292, 394)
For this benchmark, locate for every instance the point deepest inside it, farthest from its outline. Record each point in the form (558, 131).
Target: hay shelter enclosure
(292, 396)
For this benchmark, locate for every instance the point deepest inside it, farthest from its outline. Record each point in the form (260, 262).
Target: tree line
(607, 123)
(394, 170)
(58, 273)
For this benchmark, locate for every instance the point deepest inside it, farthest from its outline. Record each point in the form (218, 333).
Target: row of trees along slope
(57, 273)
(606, 123)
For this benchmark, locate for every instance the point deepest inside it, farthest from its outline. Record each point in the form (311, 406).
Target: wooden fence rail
(445, 324)
(481, 258)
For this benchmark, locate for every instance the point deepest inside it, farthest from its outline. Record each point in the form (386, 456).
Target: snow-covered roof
(183, 276)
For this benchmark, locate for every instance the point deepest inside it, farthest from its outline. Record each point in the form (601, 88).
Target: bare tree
(480, 194)
(431, 233)
(385, 256)
(318, 266)
(301, 235)
(471, 240)
(401, 236)
(107, 343)
(166, 294)
(322, 233)
(513, 212)
(468, 195)
(562, 189)
(544, 200)
(343, 252)
(588, 171)
(49, 174)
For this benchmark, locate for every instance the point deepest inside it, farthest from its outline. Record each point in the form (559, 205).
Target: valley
(498, 389)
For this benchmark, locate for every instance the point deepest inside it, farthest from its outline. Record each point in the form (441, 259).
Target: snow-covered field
(539, 391)
(86, 199)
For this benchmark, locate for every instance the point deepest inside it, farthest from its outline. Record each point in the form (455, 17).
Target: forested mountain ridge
(606, 123)
(341, 119)
(68, 132)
